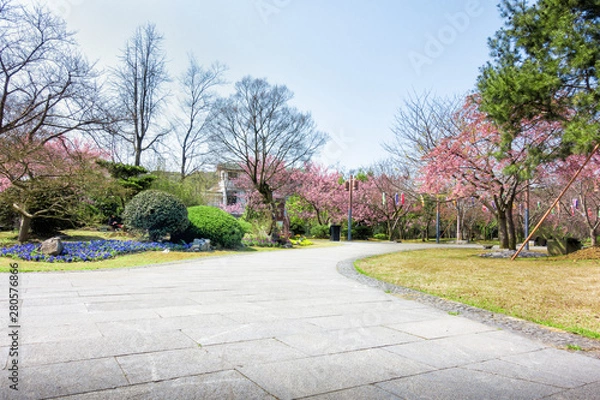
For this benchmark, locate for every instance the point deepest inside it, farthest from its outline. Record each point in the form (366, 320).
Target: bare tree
(140, 94)
(256, 128)
(47, 91)
(419, 124)
(387, 179)
(190, 126)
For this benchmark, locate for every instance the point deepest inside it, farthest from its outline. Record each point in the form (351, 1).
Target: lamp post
(351, 184)
(527, 215)
(437, 221)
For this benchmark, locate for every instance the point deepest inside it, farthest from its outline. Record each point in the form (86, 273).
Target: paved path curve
(266, 325)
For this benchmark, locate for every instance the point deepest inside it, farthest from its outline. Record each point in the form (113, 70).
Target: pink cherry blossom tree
(476, 163)
(581, 205)
(386, 197)
(59, 170)
(321, 190)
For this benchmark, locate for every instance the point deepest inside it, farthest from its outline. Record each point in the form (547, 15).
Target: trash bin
(334, 232)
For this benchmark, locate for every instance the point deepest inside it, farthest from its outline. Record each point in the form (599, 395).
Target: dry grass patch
(558, 292)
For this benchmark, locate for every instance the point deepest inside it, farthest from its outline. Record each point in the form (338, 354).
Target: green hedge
(212, 223)
(359, 232)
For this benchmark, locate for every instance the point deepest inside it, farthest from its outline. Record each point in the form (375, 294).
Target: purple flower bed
(95, 250)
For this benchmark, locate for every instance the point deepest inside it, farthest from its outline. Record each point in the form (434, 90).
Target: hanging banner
(402, 199)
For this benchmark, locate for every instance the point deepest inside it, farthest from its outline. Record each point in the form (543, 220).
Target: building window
(232, 199)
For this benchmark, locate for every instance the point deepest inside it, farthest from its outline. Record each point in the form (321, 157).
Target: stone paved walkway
(266, 325)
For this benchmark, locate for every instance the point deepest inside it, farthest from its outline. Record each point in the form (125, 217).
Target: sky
(350, 63)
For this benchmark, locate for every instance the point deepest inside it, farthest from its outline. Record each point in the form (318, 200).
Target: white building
(225, 194)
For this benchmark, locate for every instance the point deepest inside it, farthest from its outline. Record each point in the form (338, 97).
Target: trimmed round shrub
(156, 212)
(215, 224)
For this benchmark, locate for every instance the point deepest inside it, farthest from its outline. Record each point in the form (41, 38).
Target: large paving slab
(268, 325)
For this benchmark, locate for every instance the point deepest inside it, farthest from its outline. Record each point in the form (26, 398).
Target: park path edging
(546, 335)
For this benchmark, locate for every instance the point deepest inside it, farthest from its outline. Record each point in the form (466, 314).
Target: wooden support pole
(556, 201)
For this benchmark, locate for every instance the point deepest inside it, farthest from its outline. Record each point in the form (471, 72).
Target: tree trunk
(502, 229)
(273, 231)
(319, 218)
(458, 225)
(267, 195)
(137, 162)
(593, 237)
(183, 165)
(25, 223)
(512, 231)
(24, 228)
(401, 228)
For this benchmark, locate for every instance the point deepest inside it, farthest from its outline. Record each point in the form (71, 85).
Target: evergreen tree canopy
(545, 66)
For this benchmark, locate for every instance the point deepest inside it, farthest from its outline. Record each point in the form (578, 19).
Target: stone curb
(546, 335)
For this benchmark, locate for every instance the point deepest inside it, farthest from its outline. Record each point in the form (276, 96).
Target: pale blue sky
(351, 63)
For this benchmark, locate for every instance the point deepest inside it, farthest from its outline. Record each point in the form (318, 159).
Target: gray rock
(201, 245)
(52, 247)
(510, 253)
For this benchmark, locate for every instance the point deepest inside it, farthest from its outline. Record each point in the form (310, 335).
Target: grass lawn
(561, 292)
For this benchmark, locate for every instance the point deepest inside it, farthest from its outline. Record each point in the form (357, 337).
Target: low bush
(246, 226)
(320, 231)
(259, 240)
(381, 236)
(359, 232)
(301, 241)
(212, 223)
(297, 226)
(158, 213)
